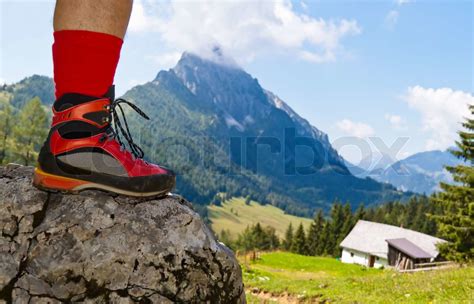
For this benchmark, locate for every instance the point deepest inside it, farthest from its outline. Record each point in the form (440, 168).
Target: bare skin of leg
(104, 16)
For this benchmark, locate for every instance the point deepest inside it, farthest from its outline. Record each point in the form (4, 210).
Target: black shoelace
(114, 108)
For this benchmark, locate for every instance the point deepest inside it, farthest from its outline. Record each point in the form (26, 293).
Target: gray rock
(95, 247)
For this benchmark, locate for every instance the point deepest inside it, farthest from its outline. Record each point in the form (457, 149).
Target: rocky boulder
(95, 247)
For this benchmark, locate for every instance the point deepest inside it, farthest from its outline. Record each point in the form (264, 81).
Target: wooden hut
(367, 244)
(403, 254)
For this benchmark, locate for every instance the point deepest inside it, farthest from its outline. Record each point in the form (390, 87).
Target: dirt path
(283, 298)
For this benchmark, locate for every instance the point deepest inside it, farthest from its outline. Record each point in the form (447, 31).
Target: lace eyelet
(114, 110)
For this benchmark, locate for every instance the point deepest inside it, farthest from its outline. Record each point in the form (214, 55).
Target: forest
(22, 131)
(325, 233)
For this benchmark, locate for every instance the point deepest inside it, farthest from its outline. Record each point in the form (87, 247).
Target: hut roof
(409, 248)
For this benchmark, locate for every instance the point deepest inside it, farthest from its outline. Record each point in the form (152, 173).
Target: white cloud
(357, 129)
(442, 111)
(141, 21)
(166, 60)
(396, 121)
(391, 19)
(243, 30)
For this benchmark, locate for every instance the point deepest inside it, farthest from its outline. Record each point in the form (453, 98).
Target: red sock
(84, 62)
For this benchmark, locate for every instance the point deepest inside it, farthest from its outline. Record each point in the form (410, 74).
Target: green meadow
(234, 215)
(281, 277)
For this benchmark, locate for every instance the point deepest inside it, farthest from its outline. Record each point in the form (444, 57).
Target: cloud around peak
(442, 111)
(243, 30)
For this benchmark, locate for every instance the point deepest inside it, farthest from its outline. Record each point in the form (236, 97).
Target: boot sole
(50, 182)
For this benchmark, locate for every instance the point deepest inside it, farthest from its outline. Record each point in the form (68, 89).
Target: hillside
(21, 92)
(293, 278)
(234, 215)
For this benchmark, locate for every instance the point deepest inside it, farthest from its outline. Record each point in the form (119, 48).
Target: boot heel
(47, 181)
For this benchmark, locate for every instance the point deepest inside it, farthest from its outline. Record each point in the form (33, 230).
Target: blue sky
(354, 69)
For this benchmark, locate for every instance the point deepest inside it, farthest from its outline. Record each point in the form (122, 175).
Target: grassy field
(235, 215)
(291, 278)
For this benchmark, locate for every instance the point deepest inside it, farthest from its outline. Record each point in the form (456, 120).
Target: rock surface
(98, 248)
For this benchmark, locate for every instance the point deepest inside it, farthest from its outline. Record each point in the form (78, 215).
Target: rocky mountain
(421, 172)
(231, 135)
(222, 132)
(97, 248)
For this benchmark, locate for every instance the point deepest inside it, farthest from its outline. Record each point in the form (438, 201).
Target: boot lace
(116, 116)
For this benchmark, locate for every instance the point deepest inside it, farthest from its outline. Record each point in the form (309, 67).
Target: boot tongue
(110, 93)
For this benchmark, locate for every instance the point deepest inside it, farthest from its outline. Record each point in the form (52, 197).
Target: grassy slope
(235, 215)
(329, 279)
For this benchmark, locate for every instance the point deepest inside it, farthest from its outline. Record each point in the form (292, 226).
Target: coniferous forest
(22, 131)
(326, 232)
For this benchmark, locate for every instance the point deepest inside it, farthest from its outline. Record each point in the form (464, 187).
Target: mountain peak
(218, 82)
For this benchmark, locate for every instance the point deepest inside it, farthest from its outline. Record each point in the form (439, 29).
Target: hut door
(371, 260)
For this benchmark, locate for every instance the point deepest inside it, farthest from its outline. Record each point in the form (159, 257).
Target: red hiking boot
(83, 151)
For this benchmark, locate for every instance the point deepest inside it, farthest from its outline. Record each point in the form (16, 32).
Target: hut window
(352, 254)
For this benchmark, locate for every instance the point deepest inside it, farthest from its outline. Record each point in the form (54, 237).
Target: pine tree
(314, 234)
(396, 214)
(272, 241)
(456, 222)
(255, 237)
(259, 237)
(389, 215)
(411, 209)
(419, 216)
(29, 131)
(245, 240)
(299, 241)
(226, 238)
(379, 215)
(370, 214)
(430, 227)
(324, 244)
(288, 238)
(337, 222)
(360, 213)
(346, 227)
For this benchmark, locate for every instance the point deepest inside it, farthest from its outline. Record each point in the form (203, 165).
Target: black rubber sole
(55, 183)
